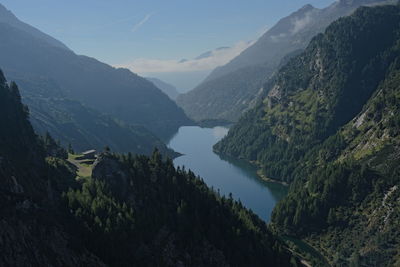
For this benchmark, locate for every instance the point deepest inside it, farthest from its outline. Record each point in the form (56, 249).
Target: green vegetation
(84, 167)
(124, 210)
(234, 88)
(162, 208)
(305, 107)
(330, 126)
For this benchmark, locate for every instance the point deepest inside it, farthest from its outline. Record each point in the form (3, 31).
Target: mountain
(128, 210)
(84, 128)
(168, 89)
(330, 126)
(7, 17)
(233, 88)
(116, 92)
(77, 125)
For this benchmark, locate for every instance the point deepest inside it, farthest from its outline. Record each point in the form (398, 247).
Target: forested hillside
(32, 231)
(116, 92)
(232, 89)
(167, 217)
(131, 211)
(345, 199)
(317, 92)
(330, 125)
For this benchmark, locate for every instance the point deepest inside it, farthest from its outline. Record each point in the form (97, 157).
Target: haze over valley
(202, 133)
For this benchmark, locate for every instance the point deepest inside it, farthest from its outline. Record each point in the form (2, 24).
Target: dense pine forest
(330, 125)
(131, 211)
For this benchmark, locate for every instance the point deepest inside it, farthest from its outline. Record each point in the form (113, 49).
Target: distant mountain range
(48, 73)
(233, 88)
(167, 88)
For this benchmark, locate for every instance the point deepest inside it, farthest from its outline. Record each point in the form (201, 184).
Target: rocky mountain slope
(233, 88)
(330, 125)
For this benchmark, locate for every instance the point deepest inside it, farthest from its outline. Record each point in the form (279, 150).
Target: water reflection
(278, 191)
(223, 173)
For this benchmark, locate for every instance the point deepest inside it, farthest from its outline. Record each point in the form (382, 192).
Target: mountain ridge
(242, 78)
(115, 92)
(330, 126)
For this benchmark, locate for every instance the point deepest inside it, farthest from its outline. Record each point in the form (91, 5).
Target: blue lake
(224, 174)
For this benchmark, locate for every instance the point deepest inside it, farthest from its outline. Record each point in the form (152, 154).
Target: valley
(286, 155)
(228, 176)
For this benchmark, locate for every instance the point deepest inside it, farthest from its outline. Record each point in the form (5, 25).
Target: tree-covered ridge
(133, 211)
(32, 177)
(349, 185)
(155, 215)
(331, 125)
(317, 92)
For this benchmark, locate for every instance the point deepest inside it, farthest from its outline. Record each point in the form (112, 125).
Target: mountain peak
(7, 17)
(306, 8)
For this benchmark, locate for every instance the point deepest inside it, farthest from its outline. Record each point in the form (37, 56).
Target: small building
(90, 154)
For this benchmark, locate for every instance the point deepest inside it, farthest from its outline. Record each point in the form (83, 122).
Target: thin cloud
(300, 23)
(216, 58)
(138, 25)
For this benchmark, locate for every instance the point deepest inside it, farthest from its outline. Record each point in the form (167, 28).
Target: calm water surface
(227, 175)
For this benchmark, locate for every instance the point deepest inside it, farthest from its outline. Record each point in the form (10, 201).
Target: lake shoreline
(256, 165)
(228, 175)
(267, 179)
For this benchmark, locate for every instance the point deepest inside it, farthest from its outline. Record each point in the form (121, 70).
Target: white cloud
(138, 25)
(300, 23)
(216, 58)
(277, 38)
(263, 31)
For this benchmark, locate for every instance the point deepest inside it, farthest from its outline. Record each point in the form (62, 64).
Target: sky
(152, 37)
